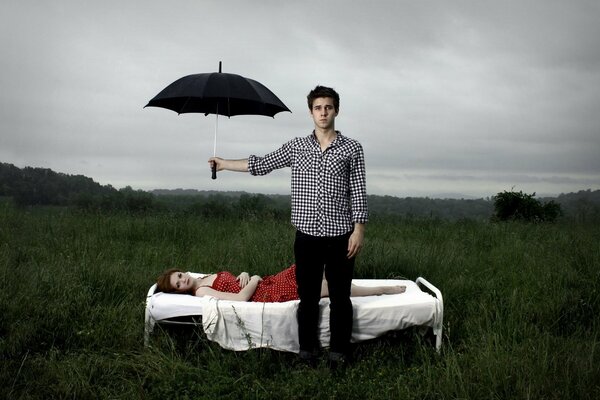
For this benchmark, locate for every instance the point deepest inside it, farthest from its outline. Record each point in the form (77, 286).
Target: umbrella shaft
(216, 129)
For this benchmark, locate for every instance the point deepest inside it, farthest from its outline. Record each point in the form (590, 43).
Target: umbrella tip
(219, 66)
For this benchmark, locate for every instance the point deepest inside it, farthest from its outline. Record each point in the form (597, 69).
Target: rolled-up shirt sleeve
(280, 158)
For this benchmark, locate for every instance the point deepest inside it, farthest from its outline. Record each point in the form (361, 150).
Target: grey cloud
(432, 89)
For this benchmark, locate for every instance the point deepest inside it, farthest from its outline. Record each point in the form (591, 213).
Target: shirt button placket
(320, 195)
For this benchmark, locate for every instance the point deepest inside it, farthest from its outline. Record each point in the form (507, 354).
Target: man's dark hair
(323, 91)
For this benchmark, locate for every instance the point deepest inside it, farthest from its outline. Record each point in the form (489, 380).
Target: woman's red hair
(163, 282)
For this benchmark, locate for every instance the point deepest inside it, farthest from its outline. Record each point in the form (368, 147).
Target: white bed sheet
(243, 325)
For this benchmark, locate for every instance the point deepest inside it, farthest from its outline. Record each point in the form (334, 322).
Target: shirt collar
(339, 138)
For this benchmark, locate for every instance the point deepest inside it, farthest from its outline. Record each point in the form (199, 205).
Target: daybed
(239, 325)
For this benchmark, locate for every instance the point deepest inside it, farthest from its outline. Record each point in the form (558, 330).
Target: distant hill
(40, 186)
(582, 195)
(582, 203)
(193, 192)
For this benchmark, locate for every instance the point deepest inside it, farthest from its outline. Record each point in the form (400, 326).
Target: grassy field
(522, 305)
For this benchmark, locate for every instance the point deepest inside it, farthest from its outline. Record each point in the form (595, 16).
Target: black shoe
(338, 361)
(308, 357)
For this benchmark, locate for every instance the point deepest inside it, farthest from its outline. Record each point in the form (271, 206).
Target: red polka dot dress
(226, 282)
(272, 289)
(277, 288)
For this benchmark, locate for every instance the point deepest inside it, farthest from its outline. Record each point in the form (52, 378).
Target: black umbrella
(220, 94)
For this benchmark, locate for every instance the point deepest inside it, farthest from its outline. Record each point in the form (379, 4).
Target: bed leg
(148, 328)
(148, 319)
(438, 326)
(438, 341)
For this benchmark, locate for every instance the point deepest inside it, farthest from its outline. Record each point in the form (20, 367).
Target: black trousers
(313, 256)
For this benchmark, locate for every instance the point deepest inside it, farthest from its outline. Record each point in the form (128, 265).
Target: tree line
(40, 186)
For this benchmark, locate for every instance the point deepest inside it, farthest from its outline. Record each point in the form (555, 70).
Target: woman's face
(181, 282)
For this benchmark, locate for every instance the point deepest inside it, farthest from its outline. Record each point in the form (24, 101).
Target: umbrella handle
(214, 170)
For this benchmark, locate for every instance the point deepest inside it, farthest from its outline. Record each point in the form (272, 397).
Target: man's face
(323, 113)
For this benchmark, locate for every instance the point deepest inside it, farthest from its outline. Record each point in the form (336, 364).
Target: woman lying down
(272, 288)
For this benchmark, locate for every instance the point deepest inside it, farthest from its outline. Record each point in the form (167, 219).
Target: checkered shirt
(329, 190)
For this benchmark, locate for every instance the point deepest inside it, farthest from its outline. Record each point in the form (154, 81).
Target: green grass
(521, 310)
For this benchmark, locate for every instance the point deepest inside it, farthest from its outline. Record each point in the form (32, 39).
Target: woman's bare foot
(394, 289)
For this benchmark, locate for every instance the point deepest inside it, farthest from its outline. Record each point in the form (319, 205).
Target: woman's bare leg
(361, 291)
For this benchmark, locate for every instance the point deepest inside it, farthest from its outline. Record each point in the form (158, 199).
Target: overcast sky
(448, 98)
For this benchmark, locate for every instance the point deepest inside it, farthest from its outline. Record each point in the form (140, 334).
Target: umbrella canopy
(218, 93)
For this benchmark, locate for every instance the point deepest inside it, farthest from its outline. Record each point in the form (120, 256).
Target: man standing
(329, 211)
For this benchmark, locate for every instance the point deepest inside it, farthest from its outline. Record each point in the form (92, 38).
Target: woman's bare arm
(244, 295)
(243, 279)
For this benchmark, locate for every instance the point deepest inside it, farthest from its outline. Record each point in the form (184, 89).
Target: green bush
(524, 207)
